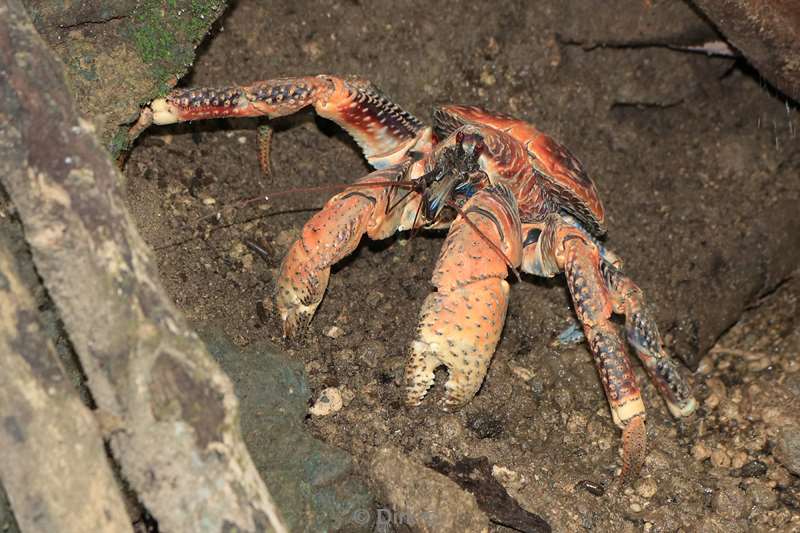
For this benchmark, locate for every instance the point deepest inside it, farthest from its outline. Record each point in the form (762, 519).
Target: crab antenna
(409, 185)
(486, 239)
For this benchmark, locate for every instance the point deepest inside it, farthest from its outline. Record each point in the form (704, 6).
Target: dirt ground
(664, 133)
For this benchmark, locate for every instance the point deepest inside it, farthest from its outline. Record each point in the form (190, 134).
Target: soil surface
(684, 149)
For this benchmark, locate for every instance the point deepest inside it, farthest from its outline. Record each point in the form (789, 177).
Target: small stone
(787, 449)
(720, 459)
(247, 262)
(730, 502)
(209, 201)
(762, 495)
(487, 78)
(312, 49)
(492, 48)
(738, 460)
(451, 428)
(711, 402)
(371, 352)
(329, 401)
(334, 332)
(636, 508)
(522, 373)
(485, 425)
(507, 477)
(700, 451)
(646, 488)
(753, 469)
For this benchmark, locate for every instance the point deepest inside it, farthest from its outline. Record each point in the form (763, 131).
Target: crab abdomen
(559, 172)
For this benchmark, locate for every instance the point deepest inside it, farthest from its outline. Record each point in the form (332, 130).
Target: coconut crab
(511, 196)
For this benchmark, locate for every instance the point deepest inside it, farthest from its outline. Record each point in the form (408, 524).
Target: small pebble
(507, 477)
(487, 78)
(700, 451)
(522, 373)
(730, 502)
(711, 402)
(209, 201)
(762, 495)
(636, 508)
(787, 449)
(753, 469)
(720, 459)
(595, 489)
(329, 401)
(334, 332)
(646, 488)
(738, 460)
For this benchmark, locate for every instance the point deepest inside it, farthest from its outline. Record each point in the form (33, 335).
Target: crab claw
(461, 322)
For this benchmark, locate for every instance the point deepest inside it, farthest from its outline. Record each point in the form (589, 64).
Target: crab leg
(333, 233)
(383, 130)
(460, 323)
(643, 335)
(594, 305)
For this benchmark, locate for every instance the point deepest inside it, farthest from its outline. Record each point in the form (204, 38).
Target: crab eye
(532, 237)
(459, 137)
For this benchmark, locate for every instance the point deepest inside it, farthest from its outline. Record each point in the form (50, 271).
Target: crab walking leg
(333, 233)
(383, 130)
(265, 132)
(594, 306)
(643, 335)
(460, 323)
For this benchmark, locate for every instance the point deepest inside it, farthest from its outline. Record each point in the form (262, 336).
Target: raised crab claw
(511, 195)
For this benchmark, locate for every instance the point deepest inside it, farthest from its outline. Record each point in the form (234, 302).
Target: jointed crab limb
(593, 306)
(384, 131)
(264, 147)
(460, 323)
(643, 335)
(333, 233)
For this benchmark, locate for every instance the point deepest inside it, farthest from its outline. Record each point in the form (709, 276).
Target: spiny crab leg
(599, 289)
(384, 131)
(594, 308)
(645, 338)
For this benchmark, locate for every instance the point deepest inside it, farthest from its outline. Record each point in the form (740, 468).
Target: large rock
(312, 483)
(420, 499)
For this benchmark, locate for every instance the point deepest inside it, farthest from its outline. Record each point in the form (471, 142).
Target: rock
(7, 522)
(371, 352)
(485, 425)
(762, 495)
(720, 459)
(314, 484)
(329, 401)
(646, 488)
(334, 332)
(787, 448)
(752, 469)
(425, 500)
(730, 502)
(700, 451)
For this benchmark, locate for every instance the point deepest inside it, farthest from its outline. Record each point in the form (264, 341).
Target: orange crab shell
(562, 175)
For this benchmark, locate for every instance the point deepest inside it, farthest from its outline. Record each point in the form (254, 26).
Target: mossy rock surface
(121, 54)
